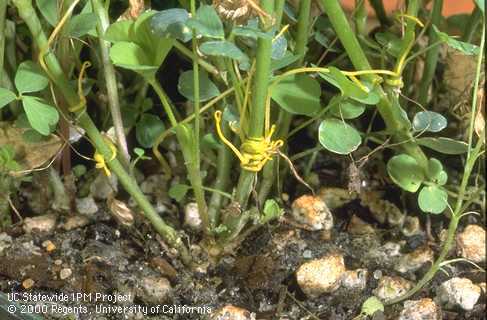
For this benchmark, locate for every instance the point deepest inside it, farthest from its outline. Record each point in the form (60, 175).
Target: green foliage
(42, 117)
(7, 159)
(30, 78)
(172, 23)
(223, 49)
(208, 89)
(444, 145)
(147, 129)
(429, 121)
(339, 137)
(207, 23)
(178, 191)
(347, 108)
(49, 11)
(433, 199)
(346, 87)
(464, 47)
(371, 306)
(6, 96)
(405, 171)
(298, 94)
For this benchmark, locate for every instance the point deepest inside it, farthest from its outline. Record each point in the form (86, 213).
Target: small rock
(152, 183)
(471, 243)
(312, 212)
(423, 309)
(411, 226)
(415, 260)
(459, 292)
(44, 224)
(230, 312)
(86, 206)
(357, 226)
(74, 222)
(164, 267)
(120, 212)
(58, 262)
(154, 290)
(65, 273)
(103, 187)
(28, 283)
(336, 197)
(49, 246)
(391, 287)
(321, 275)
(355, 279)
(192, 216)
(5, 242)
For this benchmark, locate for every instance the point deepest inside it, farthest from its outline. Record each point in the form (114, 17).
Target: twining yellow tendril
(410, 17)
(100, 160)
(254, 152)
(82, 100)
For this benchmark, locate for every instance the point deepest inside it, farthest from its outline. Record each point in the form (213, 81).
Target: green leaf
(444, 145)
(464, 47)
(433, 199)
(429, 121)
(339, 137)
(373, 96)
(390, 42)
(49, 11)
(139, 152)
(172, 23)
(207, 23)
(435, 172)
(481, 5)
(119, 31)
(285, 61)
(131, 56)
(346, 86)
(41, 116)
(178, 191)
(297, 94)
(208, 89)
(271, 211)
(6, 96)
(222, 49)
(279, 46)
(371, 306)
(405, 172)
(347, 109)
(81, 24)
(250, 32)
(148, 129)
(30, 78)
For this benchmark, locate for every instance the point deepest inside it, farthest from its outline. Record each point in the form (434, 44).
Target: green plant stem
(111, 80)
(472, 156)
(472, 25)
(380, 12)
(224, 165)
(258, 104)
(188, 53)
(28, 14)
(432, 55)
(285, 118)
(388, 105)
(3, 11)
(279, 10)
(186, 139)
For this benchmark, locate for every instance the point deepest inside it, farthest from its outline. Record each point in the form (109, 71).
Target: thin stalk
(472, 156)
(258, 103)
(388, 105)
(432, 55)
(472, 25)
(188, 53)
(285, 118)
(3, 11)
(224, 165)
(169, 234)
(279, 10)
(380, 12)
(111, 80)
(186, 142)
(194, 167)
